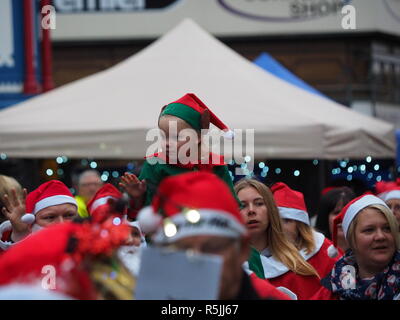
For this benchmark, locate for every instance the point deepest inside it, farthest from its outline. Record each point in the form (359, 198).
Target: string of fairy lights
(368, 169)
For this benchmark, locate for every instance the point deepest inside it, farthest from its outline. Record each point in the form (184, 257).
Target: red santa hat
(327, 189)
(48, 194)
(25, 262)
(61, 249)
(100, 205)
(290, 203)
(194, 203)
(392, 194)
(191, 109)
(349, 213)
(383, 187)
(51, 193)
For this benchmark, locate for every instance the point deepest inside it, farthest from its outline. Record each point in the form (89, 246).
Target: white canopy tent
(107, 115)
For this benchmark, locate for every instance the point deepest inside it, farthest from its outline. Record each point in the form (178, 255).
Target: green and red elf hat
(192, 110)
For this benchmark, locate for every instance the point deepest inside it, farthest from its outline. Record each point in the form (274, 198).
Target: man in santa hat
(196, 211)
(50, 203)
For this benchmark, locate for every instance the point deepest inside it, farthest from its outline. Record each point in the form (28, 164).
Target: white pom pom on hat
(148, 219)
(332, 251)
(28, 218)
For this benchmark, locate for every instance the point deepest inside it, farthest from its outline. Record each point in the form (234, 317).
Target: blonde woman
(370, 269)
(273, 256)
(313, 246)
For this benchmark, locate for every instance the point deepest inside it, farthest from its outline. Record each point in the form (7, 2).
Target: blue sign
(12, 54)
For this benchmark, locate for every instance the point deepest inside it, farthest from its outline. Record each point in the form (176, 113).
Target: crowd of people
(90, 246)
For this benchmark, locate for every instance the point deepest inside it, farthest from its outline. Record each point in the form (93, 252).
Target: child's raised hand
(14, 209)
(132, 185)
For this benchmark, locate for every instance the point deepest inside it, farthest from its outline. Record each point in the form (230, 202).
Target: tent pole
(30, 84)
(46, 54)
(321, 175)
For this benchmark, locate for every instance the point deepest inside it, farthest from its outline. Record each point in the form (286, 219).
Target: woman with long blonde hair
(313, 246)
(273, 256)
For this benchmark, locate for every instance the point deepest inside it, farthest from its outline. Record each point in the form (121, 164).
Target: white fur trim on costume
(4, 227)
(148, 220)
(7, 226)
(246, 268)
(356, 207)
(229, 134)
(288, 292)
(272, 267)
(285, 290)
(382, 195)
(395, 194)
(53, 201)
(212, 222)
(294, 214)
(31, 291)
(99, 202)
(319, 239)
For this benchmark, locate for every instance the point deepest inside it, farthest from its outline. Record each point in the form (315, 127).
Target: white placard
(178, 275)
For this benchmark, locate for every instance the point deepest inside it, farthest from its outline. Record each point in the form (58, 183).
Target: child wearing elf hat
(273, 256)
(196, 211)
(370, 269)
(313, 246)
(106, 200)
(181, 123)
(50, 203)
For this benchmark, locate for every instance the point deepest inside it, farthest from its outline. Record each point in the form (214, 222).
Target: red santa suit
(266, 290)
(321, 257)
(304, 287)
